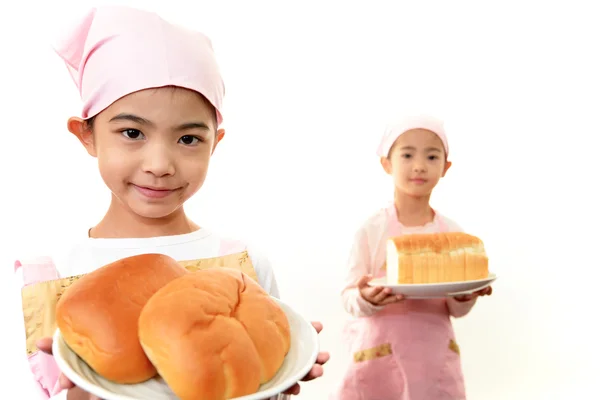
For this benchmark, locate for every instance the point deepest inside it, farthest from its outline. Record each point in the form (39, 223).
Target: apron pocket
(452, 381)
(377, 375)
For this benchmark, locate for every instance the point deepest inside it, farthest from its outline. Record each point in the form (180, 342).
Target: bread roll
(214, 334)
(98, 314)
(435, 258)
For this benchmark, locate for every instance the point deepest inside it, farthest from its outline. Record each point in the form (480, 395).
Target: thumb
(362, 282)
(45, 345)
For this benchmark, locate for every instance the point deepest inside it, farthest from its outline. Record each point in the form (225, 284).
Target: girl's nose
(158, 161)
(419, 167)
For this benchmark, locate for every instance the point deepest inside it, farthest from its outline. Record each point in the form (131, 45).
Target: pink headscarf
(393, 131)
(115, 51)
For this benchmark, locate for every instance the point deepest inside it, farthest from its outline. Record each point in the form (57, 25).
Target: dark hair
(89, 123)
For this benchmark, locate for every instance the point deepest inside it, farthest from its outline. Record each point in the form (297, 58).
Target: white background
(309, 85)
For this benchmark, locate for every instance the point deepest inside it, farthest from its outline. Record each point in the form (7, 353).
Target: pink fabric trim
(42, 365)
(37, 270)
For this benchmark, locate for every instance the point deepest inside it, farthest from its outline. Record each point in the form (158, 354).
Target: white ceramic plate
(298, 362)
(435, 290)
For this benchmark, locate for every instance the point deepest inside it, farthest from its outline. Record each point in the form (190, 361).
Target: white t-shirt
(89, 254)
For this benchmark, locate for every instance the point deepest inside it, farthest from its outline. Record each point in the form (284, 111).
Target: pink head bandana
(393, 131)
(115, 51)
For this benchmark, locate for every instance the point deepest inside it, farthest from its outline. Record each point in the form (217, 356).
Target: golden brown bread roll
(98, 314)
(435, 258)
(214, 334)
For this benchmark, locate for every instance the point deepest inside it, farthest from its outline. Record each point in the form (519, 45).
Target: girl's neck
(411, 210)
(120, 223)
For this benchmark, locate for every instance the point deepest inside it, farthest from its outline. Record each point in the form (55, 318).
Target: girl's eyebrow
(192, 125)
(131, 118)
(427, 149)
(143, 121)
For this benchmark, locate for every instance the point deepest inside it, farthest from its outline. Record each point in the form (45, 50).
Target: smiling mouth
(156, 189)
(154, 192)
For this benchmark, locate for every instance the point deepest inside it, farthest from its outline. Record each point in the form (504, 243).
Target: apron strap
(42, 365)
(441, 222)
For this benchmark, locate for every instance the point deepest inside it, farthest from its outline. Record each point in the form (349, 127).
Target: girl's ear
(446, 168)
(386, 164)
(218, 138)
(83, 132)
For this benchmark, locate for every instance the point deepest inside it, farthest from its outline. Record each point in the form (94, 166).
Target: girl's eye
(406, 155)
(189, 140)
(132, 134)
(433, 157)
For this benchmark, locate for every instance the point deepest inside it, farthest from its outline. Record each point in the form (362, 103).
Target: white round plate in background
(297, 363)
(435, 290)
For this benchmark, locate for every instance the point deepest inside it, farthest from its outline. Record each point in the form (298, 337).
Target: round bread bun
(98, 314)
(214, 334)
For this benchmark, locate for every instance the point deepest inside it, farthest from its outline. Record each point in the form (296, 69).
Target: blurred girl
(403, 349)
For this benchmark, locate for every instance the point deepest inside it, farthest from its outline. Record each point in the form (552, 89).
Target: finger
(318, 326)
(392, 299)
(315, 372)
(45, 345)
(64, 382)
(376, 291)
(370, 293)
(322, 358)
(381, 295)
(294, 390)
(464, 297)
(363, 281)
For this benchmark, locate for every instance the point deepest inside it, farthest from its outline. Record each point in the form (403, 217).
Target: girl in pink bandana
(152, 98)
(402, 349)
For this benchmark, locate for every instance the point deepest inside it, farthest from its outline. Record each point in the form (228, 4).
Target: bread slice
(435, 258)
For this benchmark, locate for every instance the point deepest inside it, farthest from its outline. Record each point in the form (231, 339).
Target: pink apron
(407, 351)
